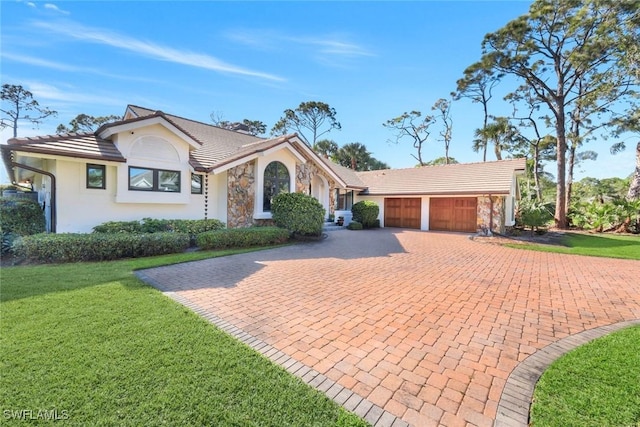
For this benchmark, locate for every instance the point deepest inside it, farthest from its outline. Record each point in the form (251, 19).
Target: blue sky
(371, 61)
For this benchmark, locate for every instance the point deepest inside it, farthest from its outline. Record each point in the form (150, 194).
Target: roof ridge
(169, 115)
(449, 165)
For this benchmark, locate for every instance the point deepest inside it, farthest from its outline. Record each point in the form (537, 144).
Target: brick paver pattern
(426, 325)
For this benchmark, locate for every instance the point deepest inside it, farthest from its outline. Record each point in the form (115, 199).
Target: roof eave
(57, 153)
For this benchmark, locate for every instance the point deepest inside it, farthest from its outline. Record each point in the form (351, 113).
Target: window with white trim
(146, 179)
(276, 181)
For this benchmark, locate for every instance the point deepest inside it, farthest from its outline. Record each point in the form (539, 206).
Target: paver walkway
(410, 327)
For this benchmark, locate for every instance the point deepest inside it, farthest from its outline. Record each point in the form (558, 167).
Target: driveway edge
(517, 395)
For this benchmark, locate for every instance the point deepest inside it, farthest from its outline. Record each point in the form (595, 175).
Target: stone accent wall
(304, 173)
(241, 195)
(485, 216)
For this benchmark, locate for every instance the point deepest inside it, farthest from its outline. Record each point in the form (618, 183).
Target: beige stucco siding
(79, 209)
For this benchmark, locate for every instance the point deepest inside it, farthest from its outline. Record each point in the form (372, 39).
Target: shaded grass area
(610, 246)
(101, 348)
(597, 384)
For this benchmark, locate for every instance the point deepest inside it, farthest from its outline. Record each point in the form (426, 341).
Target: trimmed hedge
(59, 248)
(150, 225)
(366, 212)
(242, 237)
(299, 213)
(354, 225)
(21, 216)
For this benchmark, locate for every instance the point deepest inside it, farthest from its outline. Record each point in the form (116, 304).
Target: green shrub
(355, 225)
(299, 213)
(535, 214)
(366, 212)
(242, 237)
(150, 225)
(60, 248)
(21, 216)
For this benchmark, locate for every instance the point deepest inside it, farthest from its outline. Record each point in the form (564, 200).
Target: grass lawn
(92, 344)
(602, 245)
(597, 384)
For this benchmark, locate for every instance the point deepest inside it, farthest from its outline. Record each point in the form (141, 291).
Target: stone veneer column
(303, 178)
(241, 195)
(486, 217)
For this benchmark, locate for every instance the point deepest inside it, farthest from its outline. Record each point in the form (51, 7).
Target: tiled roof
(85, 146)
(218, 144)
(463, 178)
(349, 176)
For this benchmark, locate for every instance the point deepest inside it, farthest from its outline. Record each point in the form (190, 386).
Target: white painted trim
(132, 127)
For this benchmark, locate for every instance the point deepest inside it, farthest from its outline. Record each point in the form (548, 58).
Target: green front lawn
(597, 385)
(602, 245)
(92, 344)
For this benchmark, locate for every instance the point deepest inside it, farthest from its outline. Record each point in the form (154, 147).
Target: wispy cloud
(332, 49)
(69, 94)
(152, 50)
(53, 7)
(60, 66)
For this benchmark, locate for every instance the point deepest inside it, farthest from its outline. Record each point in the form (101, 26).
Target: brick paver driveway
(427, 326)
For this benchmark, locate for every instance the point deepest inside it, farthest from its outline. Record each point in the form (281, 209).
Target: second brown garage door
(402, 212)
(453, 214)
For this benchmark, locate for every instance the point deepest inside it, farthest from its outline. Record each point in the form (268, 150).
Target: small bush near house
(150, 225)
(59, 248)
(21, 216)
(534, 214)
(354, 225)
(242, 237)
(299, 213)
(366, 212)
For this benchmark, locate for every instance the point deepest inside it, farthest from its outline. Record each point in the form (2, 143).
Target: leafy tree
(557, 45)
(253, 127)
(375, 164)
(84, 123)
(629, 123)
(18, 104)
(326, 148)
(441, 161)
(414, 127)
(477, 84)
(443, 106)
(538, 147)
(316, 118)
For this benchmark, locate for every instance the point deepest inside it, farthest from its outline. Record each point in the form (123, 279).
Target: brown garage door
(402, 212)
(453, 214)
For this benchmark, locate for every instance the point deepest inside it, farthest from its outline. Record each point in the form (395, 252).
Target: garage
(402, 212)
(453, 214)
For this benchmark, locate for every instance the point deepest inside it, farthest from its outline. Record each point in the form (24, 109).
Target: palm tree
(354, 156)
(326, 148)
(500, 132)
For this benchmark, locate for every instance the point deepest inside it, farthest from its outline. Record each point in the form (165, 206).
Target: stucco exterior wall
(79, 209)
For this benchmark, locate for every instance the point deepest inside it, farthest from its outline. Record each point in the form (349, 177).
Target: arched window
(276, 180)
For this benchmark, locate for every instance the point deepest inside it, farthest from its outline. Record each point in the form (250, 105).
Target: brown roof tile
(85, 146)
(463, 178)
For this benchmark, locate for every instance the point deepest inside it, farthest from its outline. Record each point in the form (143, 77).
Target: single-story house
(154, 164)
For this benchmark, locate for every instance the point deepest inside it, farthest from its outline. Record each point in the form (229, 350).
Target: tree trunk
(497, 149)
(536, 171)
(572, 163)
(634, 187)
(561, 148)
